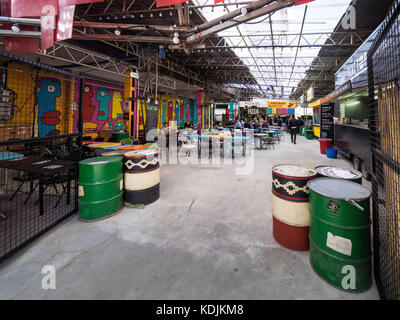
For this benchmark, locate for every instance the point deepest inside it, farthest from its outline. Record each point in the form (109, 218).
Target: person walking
(293, 127)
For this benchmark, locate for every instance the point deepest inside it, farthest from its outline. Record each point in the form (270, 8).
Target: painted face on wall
(119, 125)
(48, 117)
(88, 108)
(107, 125)
(116, 105)
(104, 99)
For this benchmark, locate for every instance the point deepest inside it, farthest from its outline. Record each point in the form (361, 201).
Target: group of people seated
(256, 124)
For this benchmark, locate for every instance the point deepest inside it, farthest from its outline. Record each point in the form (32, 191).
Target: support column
(130, 92)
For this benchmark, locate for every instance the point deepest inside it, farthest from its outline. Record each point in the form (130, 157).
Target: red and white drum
(141, 177)
(291, 216)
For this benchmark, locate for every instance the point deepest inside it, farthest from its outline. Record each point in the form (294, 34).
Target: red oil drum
(291, 217)
(324, 143)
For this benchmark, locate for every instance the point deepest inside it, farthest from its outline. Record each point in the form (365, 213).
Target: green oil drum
(309, 134)
(100, 187)
(340, 233)
(120, 135)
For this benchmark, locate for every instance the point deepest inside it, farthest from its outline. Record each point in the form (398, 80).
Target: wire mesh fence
(384, 97)
(40, 147)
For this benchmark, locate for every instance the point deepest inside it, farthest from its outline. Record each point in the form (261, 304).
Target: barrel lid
(294, 170)
(141, 153)
(339, 172)
(339, 189)
(100, 160)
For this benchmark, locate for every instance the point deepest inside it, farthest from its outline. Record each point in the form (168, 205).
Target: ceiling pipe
(251, 7)
(276, 5)
(135, 27)
(32, 22)
(21, 34)
(121, 38)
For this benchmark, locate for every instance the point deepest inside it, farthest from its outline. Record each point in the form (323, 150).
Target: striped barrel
(290, 212)
(142, 177)
(100, 187)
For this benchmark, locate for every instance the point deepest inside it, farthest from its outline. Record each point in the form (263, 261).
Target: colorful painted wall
(103, 107)
(170, 109)
(54, 94)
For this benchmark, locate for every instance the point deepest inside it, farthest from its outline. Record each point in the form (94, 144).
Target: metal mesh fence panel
(384, 97)
(40, 147)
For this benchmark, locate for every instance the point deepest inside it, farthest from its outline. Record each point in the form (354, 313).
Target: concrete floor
(209, 236)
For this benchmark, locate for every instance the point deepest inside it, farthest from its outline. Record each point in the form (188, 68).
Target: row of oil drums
(107, 182)
(325, 210)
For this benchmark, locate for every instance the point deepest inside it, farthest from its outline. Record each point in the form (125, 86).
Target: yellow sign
(281, 104)
(315, 104)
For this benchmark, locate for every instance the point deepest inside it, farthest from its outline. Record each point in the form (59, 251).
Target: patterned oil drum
(100, 187)
(290, 211)
(339, 173)
(142, 177)
(289, 181)
(340, 233)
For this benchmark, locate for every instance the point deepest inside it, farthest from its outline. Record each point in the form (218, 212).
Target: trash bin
(309, 134)
(331, 152)
(324, 143)
(301, 130)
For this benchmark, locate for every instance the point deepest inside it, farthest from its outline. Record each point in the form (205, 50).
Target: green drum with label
(100, 187)
(120, 135)
(340, 233)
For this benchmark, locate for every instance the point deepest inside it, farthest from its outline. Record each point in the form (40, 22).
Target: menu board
(327, 124)
(151, 116)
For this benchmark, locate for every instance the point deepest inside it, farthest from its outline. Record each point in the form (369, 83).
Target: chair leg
(16, 191)
(31, 193)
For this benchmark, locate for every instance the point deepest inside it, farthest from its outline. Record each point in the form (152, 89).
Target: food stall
(351, 109)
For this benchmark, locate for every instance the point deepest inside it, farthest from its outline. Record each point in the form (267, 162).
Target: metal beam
(113, 37)
(131, 27)
(274, 6)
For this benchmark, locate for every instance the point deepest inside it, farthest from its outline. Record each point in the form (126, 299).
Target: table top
(104, 145)
(37, 165)
(8, 155)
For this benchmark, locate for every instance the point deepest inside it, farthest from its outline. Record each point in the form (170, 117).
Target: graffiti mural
(48, 116)
(102, 107)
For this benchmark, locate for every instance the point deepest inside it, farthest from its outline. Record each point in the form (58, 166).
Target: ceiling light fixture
(15, 27)
(117, 32)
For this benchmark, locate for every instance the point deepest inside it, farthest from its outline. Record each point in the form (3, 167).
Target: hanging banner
(218, 1)
(166, 3)
(281, 104)
(151, 116)
(299, 2)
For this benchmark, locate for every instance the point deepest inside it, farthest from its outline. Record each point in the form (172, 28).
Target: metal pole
(33, 22)
(80, 112)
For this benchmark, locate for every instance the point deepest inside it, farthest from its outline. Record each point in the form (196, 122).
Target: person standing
(293, 127)
(279, 122)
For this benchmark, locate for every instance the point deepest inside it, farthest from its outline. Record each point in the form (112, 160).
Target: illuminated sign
(281, 104)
